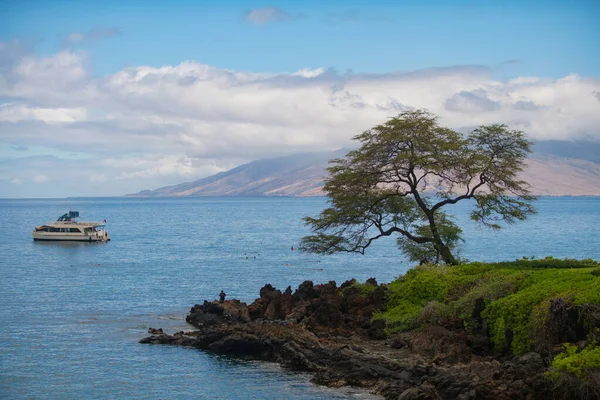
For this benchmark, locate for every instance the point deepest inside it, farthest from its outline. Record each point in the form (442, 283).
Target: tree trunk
(446, 254)
(441, 248)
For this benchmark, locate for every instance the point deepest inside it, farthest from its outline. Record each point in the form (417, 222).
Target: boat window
(75, 230)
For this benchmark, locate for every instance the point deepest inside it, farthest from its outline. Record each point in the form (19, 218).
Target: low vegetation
(515, 299)
(365, 288)
(521, 306)
(577, 371)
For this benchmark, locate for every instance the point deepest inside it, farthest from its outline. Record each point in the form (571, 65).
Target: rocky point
(329, 332)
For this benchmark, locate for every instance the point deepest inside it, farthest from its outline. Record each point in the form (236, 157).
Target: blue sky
(542, 38)
(113, 97)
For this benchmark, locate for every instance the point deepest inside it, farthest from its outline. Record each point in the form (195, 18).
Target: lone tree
(403, 175)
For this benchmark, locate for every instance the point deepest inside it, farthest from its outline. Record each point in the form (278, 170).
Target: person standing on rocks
(222, 296)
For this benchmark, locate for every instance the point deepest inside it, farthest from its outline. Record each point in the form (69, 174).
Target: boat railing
(95, 223)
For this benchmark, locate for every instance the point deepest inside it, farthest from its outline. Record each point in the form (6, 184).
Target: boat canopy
(68, 216)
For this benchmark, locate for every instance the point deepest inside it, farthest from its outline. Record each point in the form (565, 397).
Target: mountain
(295, 175)
(581, 150)
(555, 169)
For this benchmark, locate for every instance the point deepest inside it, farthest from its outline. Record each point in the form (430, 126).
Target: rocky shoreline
(328, 331)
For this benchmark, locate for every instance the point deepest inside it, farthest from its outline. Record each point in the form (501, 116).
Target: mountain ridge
(548, 172)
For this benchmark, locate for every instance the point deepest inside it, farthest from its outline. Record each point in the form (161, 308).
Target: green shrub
(579, 363)
(548, 262)
(365, 288)
(435, 313)
(402, 317)
(458, 287)
(514, 312)
(576, 373)
(509, 295)
(492, 286)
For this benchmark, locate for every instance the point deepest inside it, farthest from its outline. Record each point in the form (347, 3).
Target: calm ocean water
(72, 314)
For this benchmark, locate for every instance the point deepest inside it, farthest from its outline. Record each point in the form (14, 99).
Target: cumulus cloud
(21, 112)
(471, 102)
(144, 127)
(265, 15)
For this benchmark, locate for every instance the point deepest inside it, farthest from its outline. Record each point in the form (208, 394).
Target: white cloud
(476, 101)
(20, 112)
(40, 178)
(265, 15)
(74, 37)
(158, 126)
(55, 70)
(309, 73)
(150, 167)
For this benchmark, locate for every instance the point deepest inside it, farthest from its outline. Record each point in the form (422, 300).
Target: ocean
(71, 314)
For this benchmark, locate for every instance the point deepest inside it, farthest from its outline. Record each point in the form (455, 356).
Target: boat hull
(48, 236)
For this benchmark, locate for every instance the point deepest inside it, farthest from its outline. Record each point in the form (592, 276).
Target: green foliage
(548, 262)
(449, 232)
(365, 288)
(576, 372)
(489, 287)
(379, 189)
(402, 317)
(579, 363)
(435, 313)
(514, 312)
(427, 284)
(513, 297)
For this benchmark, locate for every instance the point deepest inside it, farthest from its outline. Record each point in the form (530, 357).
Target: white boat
(67, 229)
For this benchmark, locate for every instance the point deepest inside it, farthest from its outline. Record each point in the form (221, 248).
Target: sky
(105, 98)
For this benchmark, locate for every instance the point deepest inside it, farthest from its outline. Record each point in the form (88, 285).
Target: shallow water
(72, 313)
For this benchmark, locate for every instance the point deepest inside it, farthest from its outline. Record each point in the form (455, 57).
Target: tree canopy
(406, 172)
